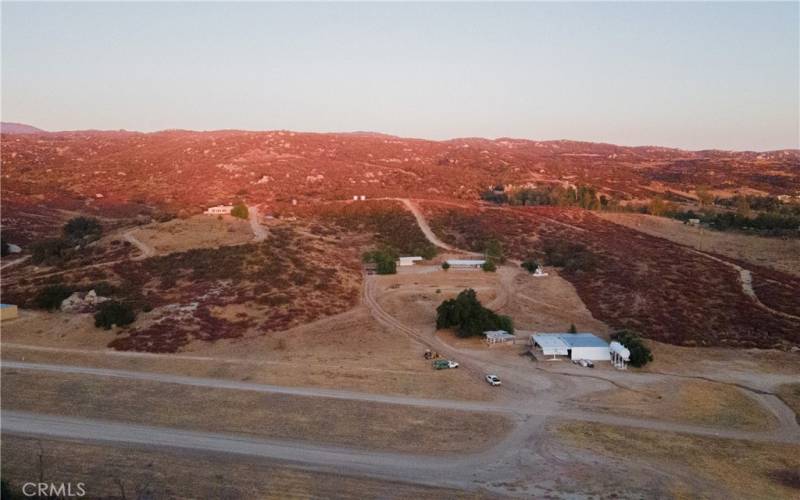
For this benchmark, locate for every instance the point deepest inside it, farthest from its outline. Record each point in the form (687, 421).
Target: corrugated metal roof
(466, 262)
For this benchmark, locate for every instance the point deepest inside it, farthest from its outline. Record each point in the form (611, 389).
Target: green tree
(385, 261)
(240, 210)
(489, 266)
(83, 228)
(467, 315)
(50, 297)
(572, 328)
(445, 265)
(112, 313)
(530, 265)
(494, 251)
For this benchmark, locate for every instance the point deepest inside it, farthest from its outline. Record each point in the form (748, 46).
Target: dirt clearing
(356, 424)
(199, 231)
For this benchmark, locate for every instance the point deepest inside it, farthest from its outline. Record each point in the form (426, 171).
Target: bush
(385, 261)
(52, 251)
(640, 354)
(113, 313)
(494, 251)
(489, 266)
(570, 256)
(530, 265)
(466, 314)
(50, 297)
(240, 210)
(445, 265)
(81, 228)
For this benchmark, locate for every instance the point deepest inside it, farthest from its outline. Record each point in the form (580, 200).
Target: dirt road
(146, 250)
(259, 231)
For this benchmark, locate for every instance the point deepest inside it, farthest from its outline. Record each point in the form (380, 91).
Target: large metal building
(575, 345)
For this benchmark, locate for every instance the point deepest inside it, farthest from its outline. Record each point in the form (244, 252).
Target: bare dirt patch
(742, 469)
(790, 394)
(357, 424)
(691, 401)
(110, 471)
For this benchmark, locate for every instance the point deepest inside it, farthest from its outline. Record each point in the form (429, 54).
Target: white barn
(575, 345)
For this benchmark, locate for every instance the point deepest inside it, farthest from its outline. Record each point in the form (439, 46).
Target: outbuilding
(8, 311)
(466, 263)
(409, 261)
(575, 345)
(219, 210)
(498, 337)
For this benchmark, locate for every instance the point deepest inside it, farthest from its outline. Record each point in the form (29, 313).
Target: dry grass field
(694, 402)
(199, 231)
(115, 471)
(357, 424)
(739, 469)
(348, 351)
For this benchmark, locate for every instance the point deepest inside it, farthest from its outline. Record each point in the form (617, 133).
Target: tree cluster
(568, 255)
(112, 313)
(468, 317)
(385, 260)
(582, 196)
(240, 210)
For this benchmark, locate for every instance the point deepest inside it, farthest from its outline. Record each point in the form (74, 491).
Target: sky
(688, 75)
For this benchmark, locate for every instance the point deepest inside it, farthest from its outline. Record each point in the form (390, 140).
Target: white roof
(551, 343)
(465, 262)
(411, 258)
(498, 334)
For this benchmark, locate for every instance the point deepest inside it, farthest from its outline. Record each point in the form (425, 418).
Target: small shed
(409, 261)
(8, 311)
(498, 337)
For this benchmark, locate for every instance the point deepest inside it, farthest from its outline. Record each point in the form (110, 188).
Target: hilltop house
(219, 210)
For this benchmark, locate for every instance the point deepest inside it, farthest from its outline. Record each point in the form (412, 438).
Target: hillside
(19, 128)
(123, 173)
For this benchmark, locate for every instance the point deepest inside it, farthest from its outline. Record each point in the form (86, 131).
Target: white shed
(465, 263)
(219, 210)
(409, 261)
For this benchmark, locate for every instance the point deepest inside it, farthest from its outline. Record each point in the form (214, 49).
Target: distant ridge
(19, 128)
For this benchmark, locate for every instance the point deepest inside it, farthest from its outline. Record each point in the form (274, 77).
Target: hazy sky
(692, 75)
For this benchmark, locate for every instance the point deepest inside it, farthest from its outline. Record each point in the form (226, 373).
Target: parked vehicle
(584, 363)
(493, 379)
(441, 364)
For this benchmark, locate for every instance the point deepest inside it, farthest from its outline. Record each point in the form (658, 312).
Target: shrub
(489, 266)
(445, 265)
(51, 251)
(572, 328)
(469, 317)
(50, 297)
(494, 251)
(240, 210)
(103, 288)
(81, 228)
(640, 354)
(113, 313)
(570, 256)
(530, 265)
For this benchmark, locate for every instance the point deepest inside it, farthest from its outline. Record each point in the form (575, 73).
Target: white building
(465, 263)
(498, 337)
(219, 210)
(409, 261)
(574, 345)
